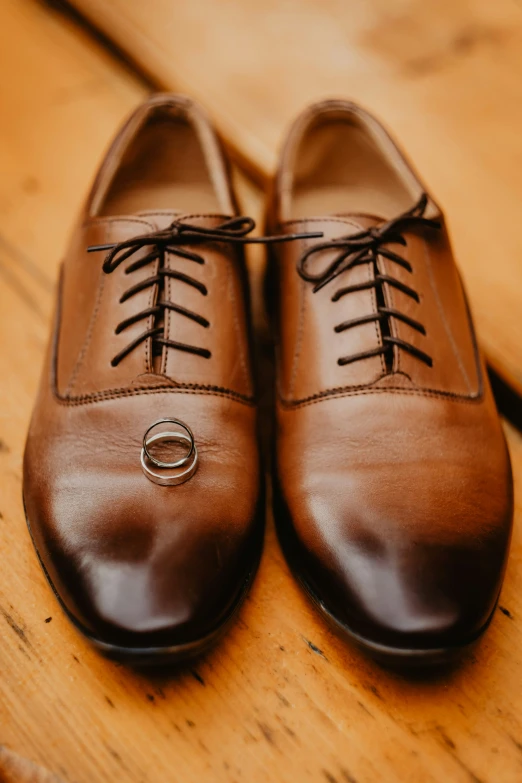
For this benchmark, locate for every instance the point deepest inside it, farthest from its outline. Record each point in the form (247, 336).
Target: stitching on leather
(88, 336)
(99, 297)
(118, 394)
(376, 326)
(302, 292)
(167, 315)
(104, 220)
(161, 213)
(389, 298)
(391, 294)
(214, 391)
(346, 391)
(333, 394)
(299, 338)
(472, 396)
(300, 325)
(84, 399)
(434, 288)
(232, 294)
(89, 333)
(346, 221)
(150, 321)
(203, 215)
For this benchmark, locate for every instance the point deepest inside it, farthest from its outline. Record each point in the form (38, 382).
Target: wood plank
(281, 698)
(445, 77)
(60, 108)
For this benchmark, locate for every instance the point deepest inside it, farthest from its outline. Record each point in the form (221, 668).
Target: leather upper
(309, 353)
(135, 562)
(393, 480)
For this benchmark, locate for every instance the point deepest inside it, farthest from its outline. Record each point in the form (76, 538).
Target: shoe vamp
(107, 533)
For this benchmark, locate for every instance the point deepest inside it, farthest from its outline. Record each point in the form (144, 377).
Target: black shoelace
(169, 240)
(364, 247)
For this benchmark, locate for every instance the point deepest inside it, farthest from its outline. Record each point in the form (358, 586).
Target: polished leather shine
(137, 565)
(393, 482)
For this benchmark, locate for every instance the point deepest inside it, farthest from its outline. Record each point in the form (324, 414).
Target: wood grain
(281, 698)
(444, 75)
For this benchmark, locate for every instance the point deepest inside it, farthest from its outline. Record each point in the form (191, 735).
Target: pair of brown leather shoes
(142, 479)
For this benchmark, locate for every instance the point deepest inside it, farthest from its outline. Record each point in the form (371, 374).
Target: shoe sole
(162, 654)
(393, 657)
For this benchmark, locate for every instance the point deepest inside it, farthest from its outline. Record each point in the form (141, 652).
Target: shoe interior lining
(343, 167)
(163, 167)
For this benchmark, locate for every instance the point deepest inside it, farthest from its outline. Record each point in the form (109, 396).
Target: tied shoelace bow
(364, 247)
(174, 239)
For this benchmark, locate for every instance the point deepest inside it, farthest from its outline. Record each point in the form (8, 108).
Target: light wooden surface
(281, 699)
(444, 75)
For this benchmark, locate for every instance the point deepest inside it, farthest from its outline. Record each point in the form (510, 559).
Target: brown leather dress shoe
(393, 485)
(150, 535)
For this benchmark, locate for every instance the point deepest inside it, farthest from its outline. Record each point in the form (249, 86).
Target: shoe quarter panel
(91, 310)
(443, 312)
(310, 347)
(223, 307)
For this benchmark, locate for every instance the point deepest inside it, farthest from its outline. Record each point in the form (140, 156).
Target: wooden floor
(281, 699)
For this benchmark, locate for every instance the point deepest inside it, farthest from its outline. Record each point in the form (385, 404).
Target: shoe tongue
(335, 225)
(118, 228)
(162, 218)
(363, 221)
(113, 229)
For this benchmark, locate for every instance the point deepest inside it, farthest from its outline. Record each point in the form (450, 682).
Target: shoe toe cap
(399, 571)
(137, 573)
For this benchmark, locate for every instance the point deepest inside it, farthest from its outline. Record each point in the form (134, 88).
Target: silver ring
(172, 436)
(146, 459)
